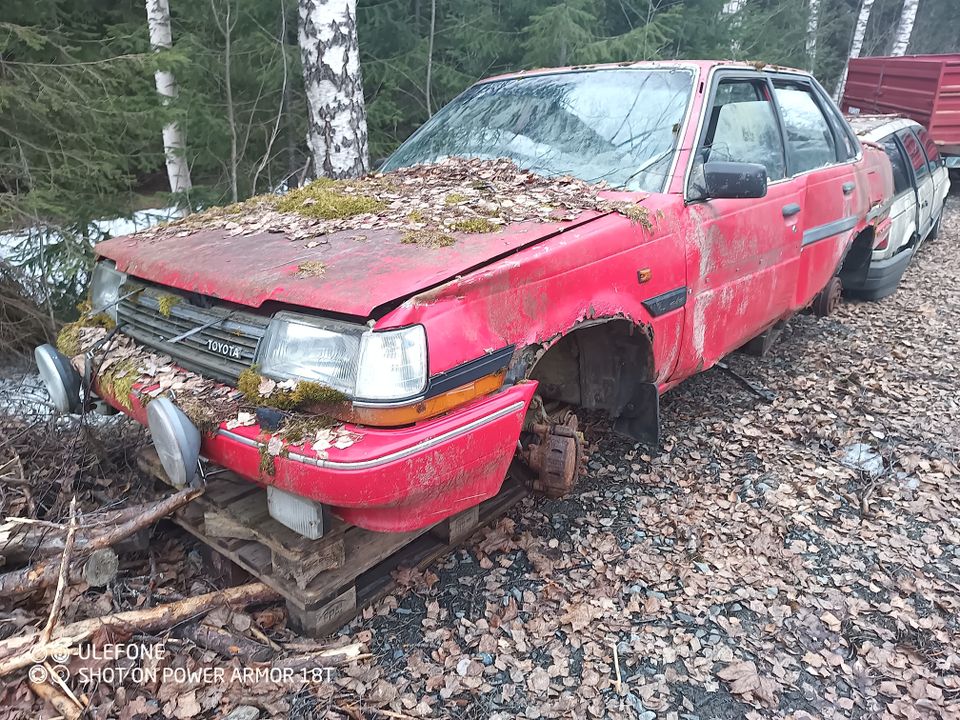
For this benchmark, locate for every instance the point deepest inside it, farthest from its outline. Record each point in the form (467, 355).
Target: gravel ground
(798, 558)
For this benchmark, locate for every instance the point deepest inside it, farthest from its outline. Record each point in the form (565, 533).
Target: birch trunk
(858, 35)
(174, 147)
(813, 26)
(732, 9)
(905, 29)
(336, 118)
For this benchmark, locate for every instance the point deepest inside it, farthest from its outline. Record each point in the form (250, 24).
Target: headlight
(105, 288)
(393, 364)
(366, 365)
(298, 346)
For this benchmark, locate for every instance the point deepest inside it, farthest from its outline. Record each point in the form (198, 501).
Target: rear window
(901, 176)
(914, 152)
(930, 148)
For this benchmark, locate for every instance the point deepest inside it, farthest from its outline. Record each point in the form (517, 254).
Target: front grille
(222, 351)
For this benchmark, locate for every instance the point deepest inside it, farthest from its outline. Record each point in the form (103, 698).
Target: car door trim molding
(822, 232)
(665, 302)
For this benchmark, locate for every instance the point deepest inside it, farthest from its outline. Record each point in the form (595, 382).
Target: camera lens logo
(60, 656)
(38, 655)
(37, 674)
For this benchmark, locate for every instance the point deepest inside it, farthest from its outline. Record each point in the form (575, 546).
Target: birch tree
(860, 31)
(161, 38)
(905, 28)
(813, 26)
(336, 118)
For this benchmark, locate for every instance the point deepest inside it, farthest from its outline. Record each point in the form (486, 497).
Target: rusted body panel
(695, 280)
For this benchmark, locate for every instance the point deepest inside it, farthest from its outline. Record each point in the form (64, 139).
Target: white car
(921, 184)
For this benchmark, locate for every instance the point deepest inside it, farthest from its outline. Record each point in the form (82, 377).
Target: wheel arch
(605, 364)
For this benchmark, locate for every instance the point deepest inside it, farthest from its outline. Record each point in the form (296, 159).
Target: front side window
(901, 176)
(809, 138)
(914, 153)
(742, 127)
(930, 148)
(621, 125)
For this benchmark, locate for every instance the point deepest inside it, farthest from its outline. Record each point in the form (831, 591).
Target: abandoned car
(921, 185)
(382, 348)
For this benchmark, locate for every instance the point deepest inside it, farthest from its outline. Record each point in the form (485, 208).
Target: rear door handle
(791, 209)
(849, 187)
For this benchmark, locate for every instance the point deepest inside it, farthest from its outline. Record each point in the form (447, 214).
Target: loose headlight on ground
(176, 438)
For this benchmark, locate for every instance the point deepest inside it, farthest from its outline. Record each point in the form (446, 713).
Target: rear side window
(930, 148)
(809, 137)
(918, 161)
(901, 176)
(742, 127)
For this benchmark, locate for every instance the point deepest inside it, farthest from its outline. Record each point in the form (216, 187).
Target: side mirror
(733, 180)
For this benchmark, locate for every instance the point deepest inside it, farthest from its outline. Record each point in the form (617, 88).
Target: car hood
(350, 272)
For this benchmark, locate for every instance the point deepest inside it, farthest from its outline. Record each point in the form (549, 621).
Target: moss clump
(118, 380)
(166, 303)
(454, 198)
(68, 339)
(268, 467)
(311, 269)
(427, 238)
(474, 225)
(304, 395)
(416, 216)
(322, 199)
(298, 428)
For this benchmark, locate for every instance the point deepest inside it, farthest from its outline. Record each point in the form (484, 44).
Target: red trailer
(925, 88)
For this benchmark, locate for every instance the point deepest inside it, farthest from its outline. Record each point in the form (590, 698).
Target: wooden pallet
(327, 581)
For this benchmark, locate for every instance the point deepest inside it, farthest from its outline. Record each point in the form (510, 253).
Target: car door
(938, 173)
(903, 207)
(741, 257)
(820, 157)
(923, 179)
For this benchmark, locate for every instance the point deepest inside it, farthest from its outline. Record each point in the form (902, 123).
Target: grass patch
(322, 199)
(474, 225)
(454, 198)
(428, 238)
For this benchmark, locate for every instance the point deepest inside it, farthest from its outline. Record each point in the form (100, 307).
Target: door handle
(791, 209)
(849, 187)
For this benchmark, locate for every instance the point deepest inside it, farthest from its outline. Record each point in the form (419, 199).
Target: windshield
(620, 126)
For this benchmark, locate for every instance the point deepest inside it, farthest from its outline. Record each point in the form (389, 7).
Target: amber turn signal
(427, 408)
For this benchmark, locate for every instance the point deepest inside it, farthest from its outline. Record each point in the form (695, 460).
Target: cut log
(58, 700)
(101, 567)
(19, 651)
(23, 540)
(227, 644)
(46, 572)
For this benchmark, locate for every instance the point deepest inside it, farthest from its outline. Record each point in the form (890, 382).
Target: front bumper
(882, 277)
(392, 479)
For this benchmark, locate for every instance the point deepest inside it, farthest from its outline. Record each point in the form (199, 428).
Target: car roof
(876, 127)
(702, 65)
